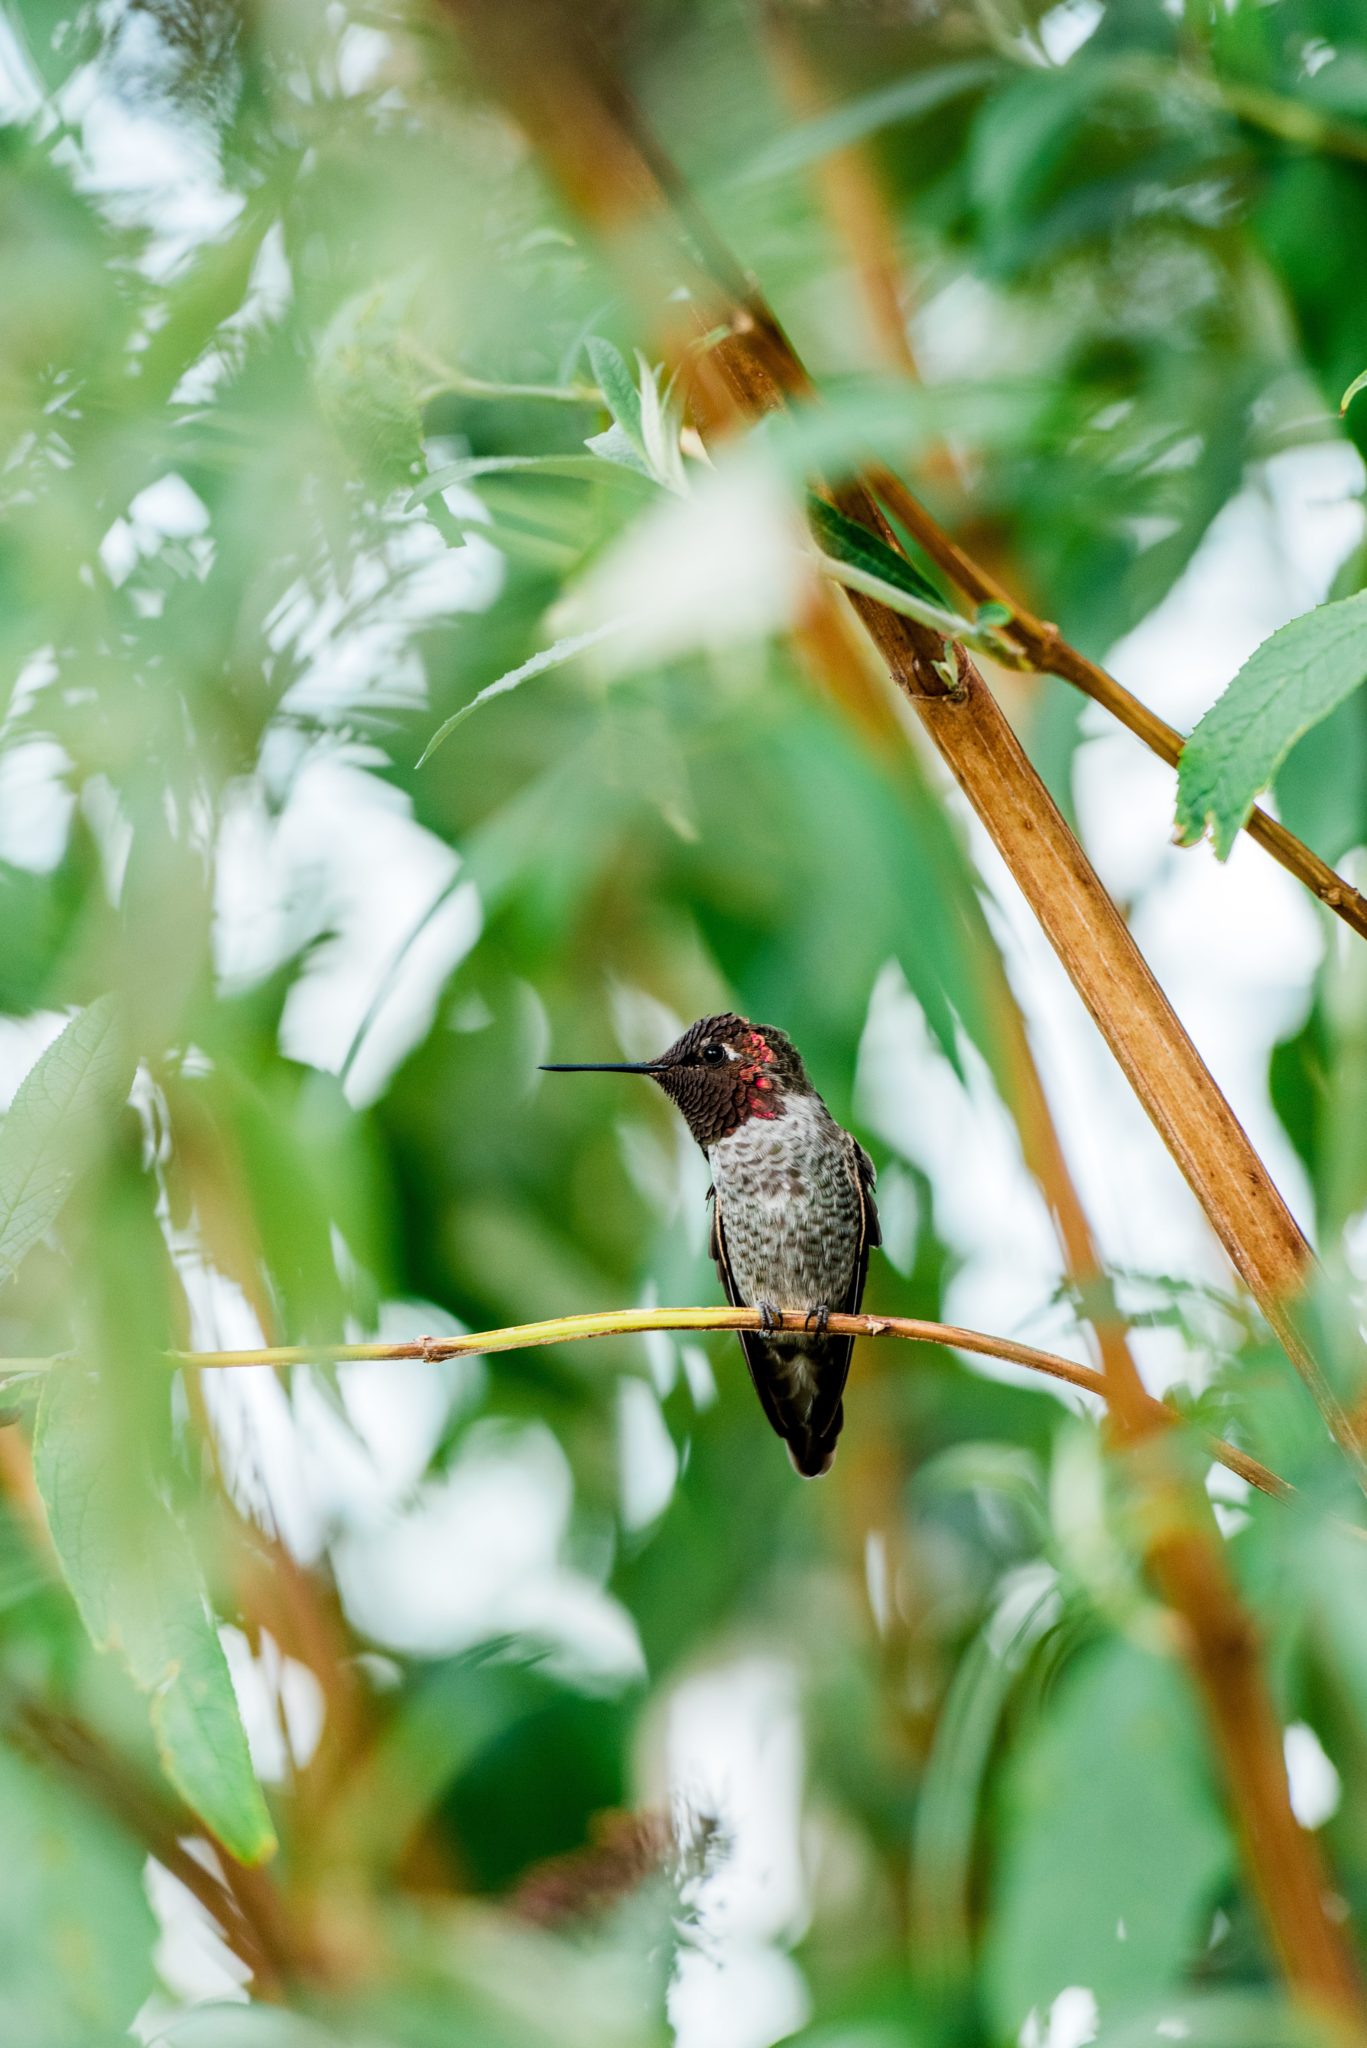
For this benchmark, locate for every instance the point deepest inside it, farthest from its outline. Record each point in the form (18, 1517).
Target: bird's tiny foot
(769, 1317)
(817, 1318)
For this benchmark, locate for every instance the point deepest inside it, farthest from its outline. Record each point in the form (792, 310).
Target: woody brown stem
(1048, 653)
(839, 656)
(851, 196)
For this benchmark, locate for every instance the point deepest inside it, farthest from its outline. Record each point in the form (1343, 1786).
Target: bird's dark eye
(713, 1055)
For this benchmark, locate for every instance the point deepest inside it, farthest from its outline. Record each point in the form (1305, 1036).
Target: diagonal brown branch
(854, 205)
(1048, 653)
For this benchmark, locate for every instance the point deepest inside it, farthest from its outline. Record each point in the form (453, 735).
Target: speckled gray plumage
(793, 1217)
(790, 1206)
(793, 1222)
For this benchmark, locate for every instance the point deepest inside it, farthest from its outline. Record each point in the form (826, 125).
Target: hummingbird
(792, 1213)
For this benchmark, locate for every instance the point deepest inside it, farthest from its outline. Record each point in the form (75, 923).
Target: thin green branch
(636, 1321)
(448, 377)
(1291, 120)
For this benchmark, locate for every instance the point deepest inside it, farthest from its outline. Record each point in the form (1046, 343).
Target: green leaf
(903, 100)
(82, 1078)
(1114, 1846)
(614, 445)
(619, 390)
(950, 1798)
(370, 385)
(245, 2026)
(898, 424)
(850, 542)
(1021, 138)
(1220, 2019)
(644, 435)
(660, 430)
(1322, 783)
(1333, 1594)
(130, 1566)
(584, 468)
(511, 538)
(1359, 383)
(1286, 686)
(76, 1933)
(549, 657)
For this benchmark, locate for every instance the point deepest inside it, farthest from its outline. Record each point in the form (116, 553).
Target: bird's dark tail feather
(804, 1410)
(813, 1451)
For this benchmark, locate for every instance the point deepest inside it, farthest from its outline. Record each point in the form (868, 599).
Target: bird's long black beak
(606, 1067)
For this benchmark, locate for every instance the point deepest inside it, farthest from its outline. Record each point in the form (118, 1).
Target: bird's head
(721, 1072)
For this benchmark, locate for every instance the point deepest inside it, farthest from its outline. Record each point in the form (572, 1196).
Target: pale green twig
(636, 1321)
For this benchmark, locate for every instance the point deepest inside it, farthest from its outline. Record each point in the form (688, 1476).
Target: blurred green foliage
(297, 389)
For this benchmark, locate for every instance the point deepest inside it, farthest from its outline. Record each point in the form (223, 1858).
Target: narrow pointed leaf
(618, 387)
(1359, 383)
(904, 100)
(83, 1077)
(583, 468)
(660, 432)
(850, 542)
(76, 1931)
(549, 657)
(615, 445)
(136, 1583)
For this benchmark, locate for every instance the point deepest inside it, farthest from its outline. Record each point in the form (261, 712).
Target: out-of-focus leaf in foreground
(1293, 680)
(906, 99)
(130, 1566)
(246, 2026)
(369, 385)
(75, 1929)
(52, 1122)
(623, 401)
(549, 657)
(1109, 1791)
